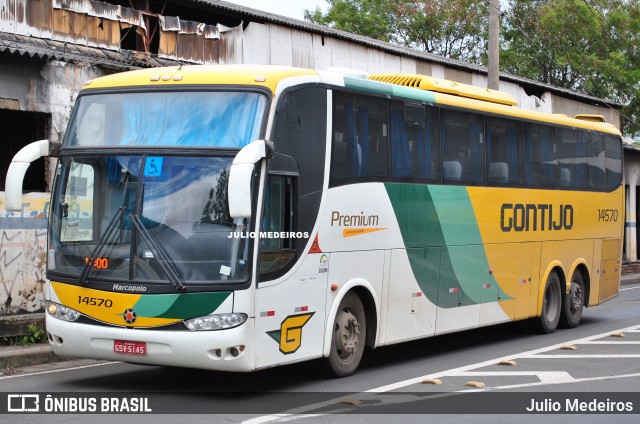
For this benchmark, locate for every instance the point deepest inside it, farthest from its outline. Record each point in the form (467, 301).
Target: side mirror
(17, 170)
(240, 176)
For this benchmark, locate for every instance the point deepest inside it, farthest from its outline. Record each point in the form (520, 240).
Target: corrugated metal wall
(103, 25)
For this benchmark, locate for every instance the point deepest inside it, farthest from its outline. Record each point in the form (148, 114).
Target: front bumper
(223, 350)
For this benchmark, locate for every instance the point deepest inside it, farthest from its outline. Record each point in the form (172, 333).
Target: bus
(240, 217)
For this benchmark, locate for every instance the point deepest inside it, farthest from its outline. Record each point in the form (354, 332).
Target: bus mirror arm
(240, 176)
(17, 170)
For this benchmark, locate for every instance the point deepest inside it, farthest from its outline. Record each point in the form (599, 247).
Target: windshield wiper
(158, 252)
(111, 226)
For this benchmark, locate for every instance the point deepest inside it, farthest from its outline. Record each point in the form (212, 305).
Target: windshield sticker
(324, 264)
(153, 166)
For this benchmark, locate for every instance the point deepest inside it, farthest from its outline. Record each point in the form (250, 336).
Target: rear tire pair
(558, 307)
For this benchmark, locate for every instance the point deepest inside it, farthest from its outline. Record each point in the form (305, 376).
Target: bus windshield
(180, 119)
(161, 219)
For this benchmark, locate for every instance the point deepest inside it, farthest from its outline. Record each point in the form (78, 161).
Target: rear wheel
(348, 339)
(573, 302)
(547, 322)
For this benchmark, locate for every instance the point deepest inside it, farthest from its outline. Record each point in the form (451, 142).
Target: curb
(24, 356)
(629, 279)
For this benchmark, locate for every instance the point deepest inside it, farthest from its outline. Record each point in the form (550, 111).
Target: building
(630, 253)
(49, 48)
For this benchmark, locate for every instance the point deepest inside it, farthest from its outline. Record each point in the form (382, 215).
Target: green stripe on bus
(390, 89)
(179, 306)
(415, 94)
(443, 243)
(465, 246)
(368, 85)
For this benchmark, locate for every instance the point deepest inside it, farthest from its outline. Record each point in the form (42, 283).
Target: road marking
(630, 288)
(598, 342)
(545, 377)
(58, 370)
(575, 380)
(411, 381)
(548, 377)
(585, 356)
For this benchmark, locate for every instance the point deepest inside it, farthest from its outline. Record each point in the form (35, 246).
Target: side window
(360, 150)
(574, 149)
(415, 145)
(462, 148)
(77, 205)
(596, 161)
(277, 250)
(504, 151)
(540, 154)
(300, 133)
(613, 151)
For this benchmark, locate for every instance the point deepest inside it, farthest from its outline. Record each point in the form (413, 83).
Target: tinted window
(415, 146)
(299, 133)
(504, 151)
(574, 148)
(613, 151)
(540, 155)
(360, 138)
(462, 148)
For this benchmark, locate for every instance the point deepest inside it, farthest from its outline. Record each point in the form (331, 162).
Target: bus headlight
(215, 322)
(62, 312)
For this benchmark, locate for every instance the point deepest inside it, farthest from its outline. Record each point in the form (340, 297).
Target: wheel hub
(577, 297)
(348, 334)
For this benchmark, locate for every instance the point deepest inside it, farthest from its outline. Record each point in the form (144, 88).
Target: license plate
(129, 348)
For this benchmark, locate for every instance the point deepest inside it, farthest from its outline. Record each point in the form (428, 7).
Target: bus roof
(438, 91)
(439, 85)
(259, 75)
(477, 99)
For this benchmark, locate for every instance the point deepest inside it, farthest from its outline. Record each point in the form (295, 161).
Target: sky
(291, 8)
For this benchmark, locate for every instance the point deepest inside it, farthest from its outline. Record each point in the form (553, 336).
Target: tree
(216, 210)
(369, 18)
(450, 28)
(588, 46)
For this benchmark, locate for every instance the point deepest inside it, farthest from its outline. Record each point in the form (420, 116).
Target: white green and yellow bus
(241, 217)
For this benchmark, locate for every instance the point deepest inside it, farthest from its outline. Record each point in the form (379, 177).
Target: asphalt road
(585, 375)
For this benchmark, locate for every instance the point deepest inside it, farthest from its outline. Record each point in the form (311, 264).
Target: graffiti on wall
(23, 253)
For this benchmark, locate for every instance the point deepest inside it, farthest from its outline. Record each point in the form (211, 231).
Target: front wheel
(573, 302)
(547, 322)
(348, 339)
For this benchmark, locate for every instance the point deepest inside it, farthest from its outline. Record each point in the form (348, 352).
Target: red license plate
(129, 348)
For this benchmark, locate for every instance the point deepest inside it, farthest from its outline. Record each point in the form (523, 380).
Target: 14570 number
(95, 301)
(608, 215)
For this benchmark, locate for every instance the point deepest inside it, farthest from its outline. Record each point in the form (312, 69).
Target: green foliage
(370, 18)
(451, 28)
(35, 335)
(590, 46)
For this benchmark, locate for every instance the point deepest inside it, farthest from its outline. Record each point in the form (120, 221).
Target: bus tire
(547, 322)
(573, 302)
(348, 338)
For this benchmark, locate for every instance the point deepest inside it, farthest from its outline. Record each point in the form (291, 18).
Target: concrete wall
(632, 186)
(33, 85)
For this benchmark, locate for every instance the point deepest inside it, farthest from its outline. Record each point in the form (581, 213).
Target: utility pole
(494, 32)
